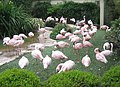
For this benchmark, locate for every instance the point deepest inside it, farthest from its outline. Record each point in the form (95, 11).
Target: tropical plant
(114, 35)
(13, 20)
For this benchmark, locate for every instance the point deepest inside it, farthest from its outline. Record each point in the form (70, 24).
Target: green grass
(95, 67)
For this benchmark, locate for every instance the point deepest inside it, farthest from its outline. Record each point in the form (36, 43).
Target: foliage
(111, 78)
(74, 78)
(76, 10)
(36, 21)
(19, 78)
(26, 4)
(114, 35)
(50, 23)
(13, 20)
(39, 10)
(56, 30)
(110, 12)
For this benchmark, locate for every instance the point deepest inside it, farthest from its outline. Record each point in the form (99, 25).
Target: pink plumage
(46, 61)
(60, 36)
(37, 54)
(86, 61)
(58, 55)
(68, 65)
(78, 46)
(61, 44)
(59, 66)
(100, 56)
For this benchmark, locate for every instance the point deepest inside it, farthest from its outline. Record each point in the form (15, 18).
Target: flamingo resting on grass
(23, 62)
(86, 61)
(100, 56)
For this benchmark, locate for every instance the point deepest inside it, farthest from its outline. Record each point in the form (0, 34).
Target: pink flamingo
(23, 62)
(40, 46)
(61, 44)
(107, 52)
(59, 67)
(86, 61)
(100, 56)
(60, 36)
(46, 61)
(58, 55)
(76, 47)
(68, 65)
(87, 44)
(37, 54)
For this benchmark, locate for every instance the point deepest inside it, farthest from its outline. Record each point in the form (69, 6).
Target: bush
(50, 23)
(114, 35)
(19, 78)
(111, 78)
(73, 78)
(40, 9)
(26, 4)
(76, 10)
(13, 20)
(110, 11)
(56, 30)
(36, 21)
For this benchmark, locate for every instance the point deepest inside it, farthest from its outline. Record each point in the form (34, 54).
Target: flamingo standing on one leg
(76, 47)
(86, 44)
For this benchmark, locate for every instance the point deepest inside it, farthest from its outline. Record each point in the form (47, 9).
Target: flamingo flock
(79, 39)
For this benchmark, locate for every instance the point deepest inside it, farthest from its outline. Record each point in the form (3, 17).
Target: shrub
(26, 4)
(36, 21)
(76, 10)
(40, 9)
(111, 78)
(56, 30)
(13, 20)
(19, 78)
(114, 35)
(73, 78)
(50, 23)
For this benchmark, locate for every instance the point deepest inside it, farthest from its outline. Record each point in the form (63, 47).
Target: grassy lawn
(95, 67)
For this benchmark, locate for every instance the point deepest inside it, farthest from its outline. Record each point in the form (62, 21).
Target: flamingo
(77, 46)
(5, 41)
(58, 55)
(30, 34)
(100, 56)
(86, 61)
(61, 44)
(41, 30)
(40, 46)
(63, 31)
(87, 44)
(23, 62)
(37, 54)
(59, 67)
(60, 36)
(68, 65)
(46, 61)
(108, 52)
(22, 35)
(107, 46)
(73, 20)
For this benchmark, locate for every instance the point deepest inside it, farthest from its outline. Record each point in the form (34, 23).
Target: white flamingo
(46, 61)
(23, 62)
